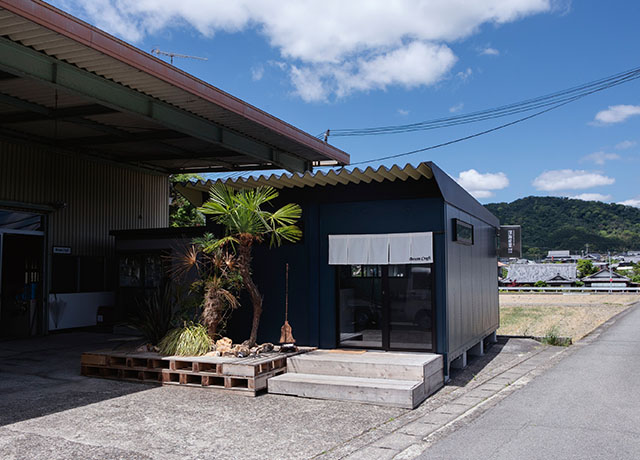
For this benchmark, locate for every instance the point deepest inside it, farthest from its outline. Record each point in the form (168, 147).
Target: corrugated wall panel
(100, 196)
(472, 284)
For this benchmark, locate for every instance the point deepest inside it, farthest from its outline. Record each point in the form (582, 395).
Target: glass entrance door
(360, 300)
(388, 307)
(410, 307)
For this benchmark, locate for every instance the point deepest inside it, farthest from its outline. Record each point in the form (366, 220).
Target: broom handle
(286, 294)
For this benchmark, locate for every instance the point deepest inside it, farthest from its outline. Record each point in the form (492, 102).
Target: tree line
(552, 223)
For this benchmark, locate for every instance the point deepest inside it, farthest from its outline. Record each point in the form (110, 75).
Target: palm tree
(246, 224)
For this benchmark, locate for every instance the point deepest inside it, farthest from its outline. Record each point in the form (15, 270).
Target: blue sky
(364, 63)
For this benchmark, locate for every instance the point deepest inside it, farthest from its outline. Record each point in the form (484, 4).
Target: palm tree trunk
(212, 311)
(244, 265)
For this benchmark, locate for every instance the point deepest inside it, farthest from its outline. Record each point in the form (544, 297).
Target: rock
(224, 345)
(265, 347)
(145, 347)
(241, 351)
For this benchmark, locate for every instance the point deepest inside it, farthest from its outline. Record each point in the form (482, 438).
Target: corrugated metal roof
(320, 178)
(44, 28)
(451, 191)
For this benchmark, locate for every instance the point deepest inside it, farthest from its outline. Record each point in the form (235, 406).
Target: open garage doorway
(21, 274)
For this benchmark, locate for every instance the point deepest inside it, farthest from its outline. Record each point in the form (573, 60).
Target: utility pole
(172, 55)
(610, 272)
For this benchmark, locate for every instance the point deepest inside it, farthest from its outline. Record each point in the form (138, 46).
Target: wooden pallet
(242, 375)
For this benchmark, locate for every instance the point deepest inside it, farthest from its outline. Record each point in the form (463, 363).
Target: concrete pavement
(48, 411)
(586, 407)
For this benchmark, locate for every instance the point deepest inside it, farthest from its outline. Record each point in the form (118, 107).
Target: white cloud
(464, 75)
(490, 52)
(632, 202)
(257, 73)
(481, 185)
(592, 197)
(616, 114)
(624, 145)
(569, 179)
(331, 47)
(600, 158)
(456, 108)
(403, 112)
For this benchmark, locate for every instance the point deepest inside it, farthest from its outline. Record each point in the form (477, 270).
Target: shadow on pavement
(502, 350)
(40, 376)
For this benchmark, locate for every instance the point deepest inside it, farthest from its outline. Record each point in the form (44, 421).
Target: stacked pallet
(243, 375)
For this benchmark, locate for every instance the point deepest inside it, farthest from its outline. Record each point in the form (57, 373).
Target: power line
(496, 128)
(559, 97)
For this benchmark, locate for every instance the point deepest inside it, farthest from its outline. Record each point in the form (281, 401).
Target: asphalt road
(587, 407)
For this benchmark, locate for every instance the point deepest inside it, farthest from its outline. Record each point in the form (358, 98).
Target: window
(71, 274)
(16, 220)
(462, 232)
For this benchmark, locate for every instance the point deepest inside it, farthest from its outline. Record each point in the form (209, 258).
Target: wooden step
(387, 392)
(380, 365)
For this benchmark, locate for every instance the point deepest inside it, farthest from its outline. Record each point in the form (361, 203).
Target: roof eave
(69, 26)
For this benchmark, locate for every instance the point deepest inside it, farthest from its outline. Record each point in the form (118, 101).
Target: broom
(286, 336)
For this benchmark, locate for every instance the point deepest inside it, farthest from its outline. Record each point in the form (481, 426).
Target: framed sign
(510, 241)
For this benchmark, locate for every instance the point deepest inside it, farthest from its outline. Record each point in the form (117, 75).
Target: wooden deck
(242, 375)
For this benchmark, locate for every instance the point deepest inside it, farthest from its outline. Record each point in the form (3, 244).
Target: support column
(460, 362)
(477, 349)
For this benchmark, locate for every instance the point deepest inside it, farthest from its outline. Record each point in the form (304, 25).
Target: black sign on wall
(510, 241)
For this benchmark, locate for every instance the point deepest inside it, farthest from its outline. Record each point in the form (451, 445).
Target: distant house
(558, 256)
(552, 274)
(560, 281)
(606, 278)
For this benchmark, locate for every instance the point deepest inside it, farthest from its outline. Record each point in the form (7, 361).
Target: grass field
(572, 315)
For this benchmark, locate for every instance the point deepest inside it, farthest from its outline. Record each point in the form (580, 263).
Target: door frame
(41, 312)
(385, 326)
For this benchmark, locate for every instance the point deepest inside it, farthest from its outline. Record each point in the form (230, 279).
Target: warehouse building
(90, 129)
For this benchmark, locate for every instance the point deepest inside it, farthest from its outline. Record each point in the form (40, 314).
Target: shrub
(154, 317)
(552, 338)
(191, 339)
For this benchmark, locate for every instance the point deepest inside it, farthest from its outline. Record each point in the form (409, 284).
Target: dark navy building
(391, 259)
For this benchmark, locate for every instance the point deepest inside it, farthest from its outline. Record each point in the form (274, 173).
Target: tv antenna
(172, 55)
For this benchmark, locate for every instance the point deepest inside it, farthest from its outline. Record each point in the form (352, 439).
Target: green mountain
(550, 223)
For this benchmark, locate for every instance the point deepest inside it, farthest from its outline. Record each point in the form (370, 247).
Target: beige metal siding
(100, 196)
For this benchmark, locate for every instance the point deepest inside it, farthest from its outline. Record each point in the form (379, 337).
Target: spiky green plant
(154, 316)
(191, 339)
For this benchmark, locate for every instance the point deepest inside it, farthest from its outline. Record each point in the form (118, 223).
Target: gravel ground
(571, 315)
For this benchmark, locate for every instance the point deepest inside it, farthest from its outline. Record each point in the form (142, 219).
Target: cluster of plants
(586, 268)
(217, 268)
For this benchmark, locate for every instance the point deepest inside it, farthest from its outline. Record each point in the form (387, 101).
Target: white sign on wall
(381, 249)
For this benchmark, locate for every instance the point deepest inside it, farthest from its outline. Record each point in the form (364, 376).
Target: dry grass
(572, 315)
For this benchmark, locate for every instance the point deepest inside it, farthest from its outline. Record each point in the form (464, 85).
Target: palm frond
(286, 215)
(290, 233)
(213, 245)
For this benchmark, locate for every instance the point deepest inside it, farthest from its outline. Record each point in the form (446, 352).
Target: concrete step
(388, 392)
(371, 364)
